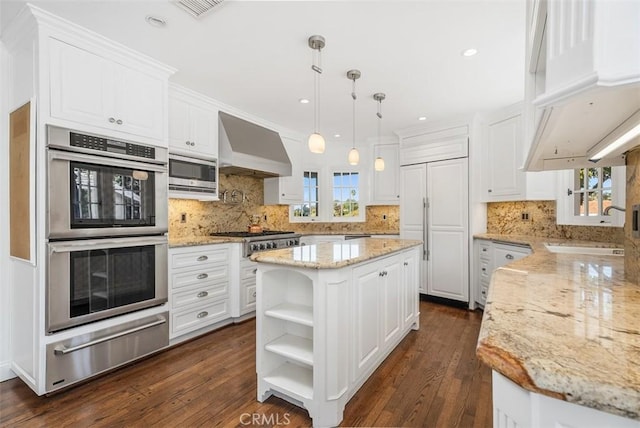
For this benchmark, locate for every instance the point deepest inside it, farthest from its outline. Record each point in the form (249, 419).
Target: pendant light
(316, 141)
(354, 156)
(378, 165)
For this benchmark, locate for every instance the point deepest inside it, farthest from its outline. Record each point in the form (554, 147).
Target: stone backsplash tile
(505, 218)
(236, 214)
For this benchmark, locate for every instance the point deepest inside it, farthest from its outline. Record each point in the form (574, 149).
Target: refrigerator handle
(425, 226)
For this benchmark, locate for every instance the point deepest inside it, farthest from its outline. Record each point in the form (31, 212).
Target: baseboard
(5, 371)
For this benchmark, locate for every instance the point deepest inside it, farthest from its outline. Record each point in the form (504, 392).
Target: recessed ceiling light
(303, 101)
(422, 118)
(155, 21)
(469, 52)
(337, 135)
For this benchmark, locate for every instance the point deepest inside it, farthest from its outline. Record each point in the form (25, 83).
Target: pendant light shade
(378, 165)
(354, 156)
(316, 141)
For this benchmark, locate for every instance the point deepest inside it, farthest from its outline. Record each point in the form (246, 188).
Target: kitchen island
(560, 332)
(328, 315)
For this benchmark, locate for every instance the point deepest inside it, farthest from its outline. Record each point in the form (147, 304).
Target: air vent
(197, 8)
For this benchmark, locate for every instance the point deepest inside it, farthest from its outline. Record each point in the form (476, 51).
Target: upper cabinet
(386, 183)
(287, 190)
(502, 175)
(193, 124)
(581, 83)
(90, 89)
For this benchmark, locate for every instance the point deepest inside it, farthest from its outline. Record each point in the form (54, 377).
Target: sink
(596, 251)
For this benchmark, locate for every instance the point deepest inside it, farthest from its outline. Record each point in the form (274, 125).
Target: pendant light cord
(354, 96)
(316, 88)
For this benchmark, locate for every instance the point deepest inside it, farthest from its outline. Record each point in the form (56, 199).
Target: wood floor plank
(431, 379)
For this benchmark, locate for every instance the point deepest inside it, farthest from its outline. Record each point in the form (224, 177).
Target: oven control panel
(106, 145)
(270, 244)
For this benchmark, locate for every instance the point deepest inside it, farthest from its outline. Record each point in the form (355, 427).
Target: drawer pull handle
(484, 250)
(203, 258)
(254, 294)
(112, 120)
(203, 314)
(254, 271)
(119, 121)
(509, 257)
(62, 350)
(484, 269)
(406, 263)
(202, 294)
(203, 276)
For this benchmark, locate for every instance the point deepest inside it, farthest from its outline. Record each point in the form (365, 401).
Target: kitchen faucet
(612, 207)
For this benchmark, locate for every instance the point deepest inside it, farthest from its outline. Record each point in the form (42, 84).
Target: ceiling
(254, 55)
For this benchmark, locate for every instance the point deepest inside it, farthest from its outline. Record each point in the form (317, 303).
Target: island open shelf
(324, 325)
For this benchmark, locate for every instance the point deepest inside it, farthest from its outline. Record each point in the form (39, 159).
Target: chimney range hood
(249, 149)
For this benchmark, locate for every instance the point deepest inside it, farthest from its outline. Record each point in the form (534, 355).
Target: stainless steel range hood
(249, 149)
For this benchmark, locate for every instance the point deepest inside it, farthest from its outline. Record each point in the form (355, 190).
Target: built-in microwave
(191, 175)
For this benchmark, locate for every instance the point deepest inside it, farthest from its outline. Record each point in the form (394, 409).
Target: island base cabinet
(322, 332)
(514, 406)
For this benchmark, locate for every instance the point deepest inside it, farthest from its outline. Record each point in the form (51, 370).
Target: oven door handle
(100, 160)
(100, 244)
(63, 350)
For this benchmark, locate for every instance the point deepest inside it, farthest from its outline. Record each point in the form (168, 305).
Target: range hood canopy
(249, 149)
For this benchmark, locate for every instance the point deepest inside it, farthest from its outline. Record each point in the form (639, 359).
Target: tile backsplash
(506, 218)
(203, 218)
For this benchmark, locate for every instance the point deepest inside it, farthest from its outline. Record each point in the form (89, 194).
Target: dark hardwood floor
(432, 379)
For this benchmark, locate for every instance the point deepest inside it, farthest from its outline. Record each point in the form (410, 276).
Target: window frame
(565, 202)
(308, 219)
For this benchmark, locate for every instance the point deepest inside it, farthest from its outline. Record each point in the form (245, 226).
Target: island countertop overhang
(334, 255)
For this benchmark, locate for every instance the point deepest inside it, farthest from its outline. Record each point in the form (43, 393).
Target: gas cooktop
(244, 234)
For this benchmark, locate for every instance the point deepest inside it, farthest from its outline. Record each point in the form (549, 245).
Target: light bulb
(379, 164)
(316, 143)
(354, 156)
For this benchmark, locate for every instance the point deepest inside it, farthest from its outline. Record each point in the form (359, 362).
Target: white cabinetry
(198, 287)
(514, 406)
(489, 257)
(193, 124)
(503, 177)
(386, 183)
(286, 190)
(89, 89)
(322, 332)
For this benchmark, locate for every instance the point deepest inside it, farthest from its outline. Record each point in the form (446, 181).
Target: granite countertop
(333, 255)
(565, 325)
(201, 240)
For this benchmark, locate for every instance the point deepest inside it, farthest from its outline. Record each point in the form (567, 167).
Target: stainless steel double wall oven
(106, 228)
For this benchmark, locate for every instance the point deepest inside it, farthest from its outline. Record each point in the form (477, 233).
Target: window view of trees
(346, 194)
(309, 208)
(592, 191)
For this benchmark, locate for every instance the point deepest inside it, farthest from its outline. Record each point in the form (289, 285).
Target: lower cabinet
(322, 332)
(489, 256)
(199, 295)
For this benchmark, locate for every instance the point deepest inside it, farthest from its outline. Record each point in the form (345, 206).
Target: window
(310, 205)
(346, 194)
(587, 192)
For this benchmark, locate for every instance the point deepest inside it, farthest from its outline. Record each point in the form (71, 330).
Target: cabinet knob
(203, 258)
(119, 121)
(283, 194)
(484, 269)
(255, 271)
(484, 250)
(202, 314)
(254, 294)
(112, 119)
(203, 276)
(406, 263)
(398, 196)
(489, 190)
(509, 257)
(193, 143)
(188, 143)
(202, 294)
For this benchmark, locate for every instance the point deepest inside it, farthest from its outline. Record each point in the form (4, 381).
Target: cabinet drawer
(485, 251)
(198, 317)
(199, 258)
(485, 270)
(205, 276)
(484, 289)
(209, 293)
(249, 272)
(504, 254)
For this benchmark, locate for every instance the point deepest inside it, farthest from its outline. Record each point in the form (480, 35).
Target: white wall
(5, 289)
